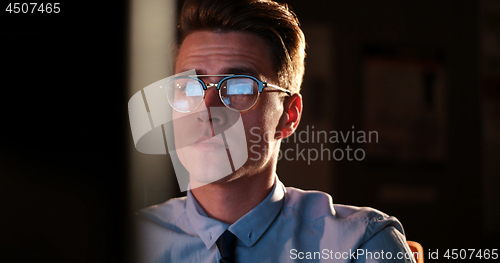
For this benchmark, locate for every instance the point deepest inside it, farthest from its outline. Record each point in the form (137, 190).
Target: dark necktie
(226, 244)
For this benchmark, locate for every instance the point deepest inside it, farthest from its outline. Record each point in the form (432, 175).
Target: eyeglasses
(237, 92)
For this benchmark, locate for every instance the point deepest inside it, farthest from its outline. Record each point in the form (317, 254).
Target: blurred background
(425, 75)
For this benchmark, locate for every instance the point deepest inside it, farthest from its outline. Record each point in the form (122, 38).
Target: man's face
(211, 53)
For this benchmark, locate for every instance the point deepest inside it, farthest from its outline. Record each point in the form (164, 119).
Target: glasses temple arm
(278, 87)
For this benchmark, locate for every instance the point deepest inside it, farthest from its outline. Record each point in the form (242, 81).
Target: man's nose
(212, 97)
(212, 100)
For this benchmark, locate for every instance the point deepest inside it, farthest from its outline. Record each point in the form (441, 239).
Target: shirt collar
(208, 229)
(248, 228)
(254, 224)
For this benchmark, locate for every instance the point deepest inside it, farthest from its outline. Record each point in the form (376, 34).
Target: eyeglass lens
(239, 93)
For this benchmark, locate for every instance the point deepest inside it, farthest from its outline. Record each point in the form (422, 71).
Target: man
(248, 59)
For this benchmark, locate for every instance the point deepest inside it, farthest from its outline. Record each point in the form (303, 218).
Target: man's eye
(180, 87)
(240, 87)
(193, 88)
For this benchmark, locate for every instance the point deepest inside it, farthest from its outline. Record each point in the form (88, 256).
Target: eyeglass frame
(206, 86)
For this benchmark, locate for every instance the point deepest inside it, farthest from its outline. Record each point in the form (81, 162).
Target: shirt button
(210, 236)
(249, 234)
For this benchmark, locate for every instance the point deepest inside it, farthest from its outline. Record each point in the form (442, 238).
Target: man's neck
(229, 201)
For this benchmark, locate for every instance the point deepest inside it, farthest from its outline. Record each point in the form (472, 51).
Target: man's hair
(272, 21)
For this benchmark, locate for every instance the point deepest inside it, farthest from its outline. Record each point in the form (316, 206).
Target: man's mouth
(208, 143)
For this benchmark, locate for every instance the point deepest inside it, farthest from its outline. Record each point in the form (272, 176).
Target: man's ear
(292, 111)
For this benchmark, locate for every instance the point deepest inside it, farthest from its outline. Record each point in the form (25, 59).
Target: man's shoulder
(314, 205)
(310, 205)
(349, 212)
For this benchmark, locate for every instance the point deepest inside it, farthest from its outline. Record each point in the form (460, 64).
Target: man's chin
(198, 180)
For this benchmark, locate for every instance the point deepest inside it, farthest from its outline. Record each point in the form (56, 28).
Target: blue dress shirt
(290, 225)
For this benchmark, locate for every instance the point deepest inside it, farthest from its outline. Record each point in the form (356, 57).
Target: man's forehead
(229, 70)
(224, 53)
